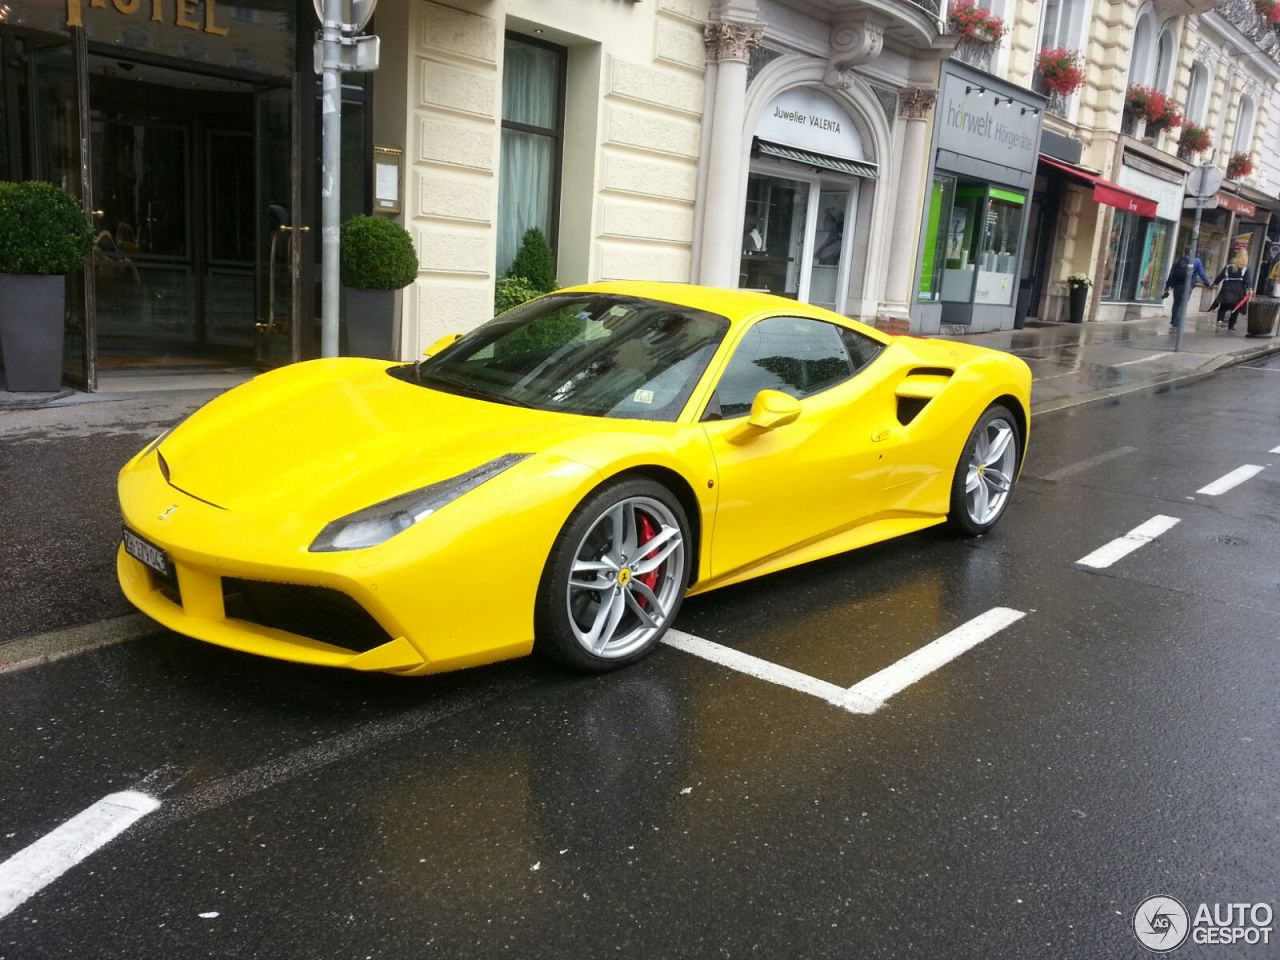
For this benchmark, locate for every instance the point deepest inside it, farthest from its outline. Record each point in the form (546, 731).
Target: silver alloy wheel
(990, 475)
(628, 572)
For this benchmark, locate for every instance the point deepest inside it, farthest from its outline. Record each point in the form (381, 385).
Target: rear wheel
(986, 471)
(615, 578)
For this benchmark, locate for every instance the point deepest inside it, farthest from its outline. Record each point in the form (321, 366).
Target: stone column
(914, 107)
(729, 45)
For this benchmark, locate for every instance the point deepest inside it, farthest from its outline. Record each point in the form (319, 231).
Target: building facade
(868, 155)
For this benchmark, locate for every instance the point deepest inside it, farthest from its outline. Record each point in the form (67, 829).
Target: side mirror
(448, 340)
(773, 408)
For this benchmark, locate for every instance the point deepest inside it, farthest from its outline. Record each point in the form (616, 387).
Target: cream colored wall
(634, 96)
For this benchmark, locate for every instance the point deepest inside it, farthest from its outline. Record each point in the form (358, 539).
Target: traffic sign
(355, 13)
(1204, 181)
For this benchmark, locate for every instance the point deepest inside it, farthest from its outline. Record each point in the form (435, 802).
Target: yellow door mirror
(773, 408)
(442, 344)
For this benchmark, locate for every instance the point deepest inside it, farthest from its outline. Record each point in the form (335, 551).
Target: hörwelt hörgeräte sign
(971, 123)
(808, 119)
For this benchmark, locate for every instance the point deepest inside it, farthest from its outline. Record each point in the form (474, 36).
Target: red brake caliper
(647, 532)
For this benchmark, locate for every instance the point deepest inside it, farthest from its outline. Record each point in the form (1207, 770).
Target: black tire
(961, 519)
(554, 624)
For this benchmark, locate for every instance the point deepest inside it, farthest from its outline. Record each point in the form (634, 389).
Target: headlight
(382, 521)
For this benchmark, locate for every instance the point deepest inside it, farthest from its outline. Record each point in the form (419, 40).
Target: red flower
(1060, 70)
(1194, 139)
(972, 22)
(1240, 165)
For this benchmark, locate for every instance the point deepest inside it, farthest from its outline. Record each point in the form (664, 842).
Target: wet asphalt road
(1119, 741)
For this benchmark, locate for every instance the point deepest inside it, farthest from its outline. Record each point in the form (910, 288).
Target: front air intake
(317, 613)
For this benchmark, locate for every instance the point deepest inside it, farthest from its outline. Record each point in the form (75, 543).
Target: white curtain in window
(526, 172)
(524, 190)
(1143, 40)
(530, 81)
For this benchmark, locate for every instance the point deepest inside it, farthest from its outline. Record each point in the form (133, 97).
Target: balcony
(1245, 16)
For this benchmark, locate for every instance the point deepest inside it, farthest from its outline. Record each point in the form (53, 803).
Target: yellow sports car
(559, 478)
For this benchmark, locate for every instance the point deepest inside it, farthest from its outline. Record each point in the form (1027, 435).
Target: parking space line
(760, 669)
(895, 678)
(1233, 479)
(1080, 466)
(869, 695)
(1109, 553)
(33, 868)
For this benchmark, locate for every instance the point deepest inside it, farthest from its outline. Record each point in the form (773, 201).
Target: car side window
(797, 356)
(862, 349)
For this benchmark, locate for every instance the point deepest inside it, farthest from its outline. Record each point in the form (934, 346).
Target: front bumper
(439, 596)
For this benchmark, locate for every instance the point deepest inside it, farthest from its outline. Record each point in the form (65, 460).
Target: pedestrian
(1183, 267)
(1235, 283)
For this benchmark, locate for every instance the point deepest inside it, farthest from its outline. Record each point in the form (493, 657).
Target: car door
(799, 482)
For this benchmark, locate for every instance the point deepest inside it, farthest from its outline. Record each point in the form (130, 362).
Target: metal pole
(330, 175)
(1186, 284)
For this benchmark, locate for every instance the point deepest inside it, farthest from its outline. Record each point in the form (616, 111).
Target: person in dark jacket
(1184, 266)
(1236, 283)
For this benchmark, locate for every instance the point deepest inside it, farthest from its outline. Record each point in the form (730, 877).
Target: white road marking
(755, 667)
(33, 868)
(1153, 356)
(879, 687)
(1109, 553)
(1081, 466)
(866, 696)
(1274, 450)
(1233, 479)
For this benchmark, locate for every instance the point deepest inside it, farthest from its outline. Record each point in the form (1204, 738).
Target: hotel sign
(808, 119)
(986, 124)
(201, 15)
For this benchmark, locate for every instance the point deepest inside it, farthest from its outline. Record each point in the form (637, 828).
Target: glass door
(279, 234)
(829, 262)
(60, 103)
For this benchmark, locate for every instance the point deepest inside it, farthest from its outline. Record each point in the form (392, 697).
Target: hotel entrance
(189, 128)
(190, 205)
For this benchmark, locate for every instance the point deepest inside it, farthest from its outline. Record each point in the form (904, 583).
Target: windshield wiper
(462, 388)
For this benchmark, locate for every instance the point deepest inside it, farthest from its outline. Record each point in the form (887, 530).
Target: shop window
(532, 135)
(980, 254)
(773, 234)
(796, 356)
(1137, 252)
(935, 247)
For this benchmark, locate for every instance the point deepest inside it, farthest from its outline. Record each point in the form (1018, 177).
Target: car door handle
(878, 435)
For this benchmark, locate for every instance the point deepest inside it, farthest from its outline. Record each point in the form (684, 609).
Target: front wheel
(985, 474)
(615, 578)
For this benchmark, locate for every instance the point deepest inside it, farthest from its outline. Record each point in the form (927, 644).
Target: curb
(1212, 365)
(41, 648)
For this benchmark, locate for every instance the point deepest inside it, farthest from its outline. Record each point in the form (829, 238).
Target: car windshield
(596, 354)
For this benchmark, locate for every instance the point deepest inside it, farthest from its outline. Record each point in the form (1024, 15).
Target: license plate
(147, 553)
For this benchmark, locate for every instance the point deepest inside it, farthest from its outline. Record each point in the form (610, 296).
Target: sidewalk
(59, 454)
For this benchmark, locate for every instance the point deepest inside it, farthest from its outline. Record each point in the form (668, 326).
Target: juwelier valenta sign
(808, 119)
(979, 122)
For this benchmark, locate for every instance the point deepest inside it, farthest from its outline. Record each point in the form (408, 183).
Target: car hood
(325, 438)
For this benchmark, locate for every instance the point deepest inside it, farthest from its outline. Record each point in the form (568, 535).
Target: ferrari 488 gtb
(558, 479)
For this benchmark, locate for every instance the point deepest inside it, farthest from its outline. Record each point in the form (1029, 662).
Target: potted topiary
(1078, 285)
(44, 235)
(377, 260)
(535, 262)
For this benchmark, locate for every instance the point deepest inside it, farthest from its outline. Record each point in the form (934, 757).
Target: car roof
(736, 305)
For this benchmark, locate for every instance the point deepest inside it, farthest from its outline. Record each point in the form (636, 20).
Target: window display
(979, 250)
(1137, 258)
(936, 239)
(773, 234)
(998, 257)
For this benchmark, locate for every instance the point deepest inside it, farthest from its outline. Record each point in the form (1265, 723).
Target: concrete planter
(371, 319)
(32, 310)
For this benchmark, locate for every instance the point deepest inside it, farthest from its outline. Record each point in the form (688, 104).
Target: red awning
(1104, 191)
